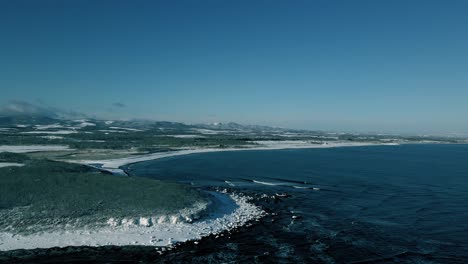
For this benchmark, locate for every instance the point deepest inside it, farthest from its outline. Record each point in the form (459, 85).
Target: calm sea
(375, 204)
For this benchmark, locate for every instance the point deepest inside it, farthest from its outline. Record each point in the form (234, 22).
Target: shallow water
(362, 204)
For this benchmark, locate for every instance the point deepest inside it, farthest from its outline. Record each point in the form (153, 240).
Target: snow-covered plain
(32, 148)
(233, 211)
(209, 131)
(43, 127)
(127, 129)
(58, 132)
(84, 123)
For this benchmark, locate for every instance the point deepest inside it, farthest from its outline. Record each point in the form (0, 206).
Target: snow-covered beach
(232, 212)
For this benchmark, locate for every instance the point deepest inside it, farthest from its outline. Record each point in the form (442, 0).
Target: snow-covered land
(58, 132)
(43, 127)
(32, 148)
(186, 136)
(233, 211)
(127, 129)
(113, 165)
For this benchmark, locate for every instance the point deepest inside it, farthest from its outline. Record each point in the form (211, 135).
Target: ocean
(374, 204)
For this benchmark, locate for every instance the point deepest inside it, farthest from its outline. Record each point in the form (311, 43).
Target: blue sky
(383, 66)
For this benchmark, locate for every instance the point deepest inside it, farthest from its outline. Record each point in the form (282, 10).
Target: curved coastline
(232, 211)
(115, 166)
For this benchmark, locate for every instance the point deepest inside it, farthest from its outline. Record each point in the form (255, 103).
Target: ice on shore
(232, 212)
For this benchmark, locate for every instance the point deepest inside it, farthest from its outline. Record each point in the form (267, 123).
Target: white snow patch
(127, 129)
(58, 132)
(85, 124)
(267, 183)
(32, 148)
(206, 131)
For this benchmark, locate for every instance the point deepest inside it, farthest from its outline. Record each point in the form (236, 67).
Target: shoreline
(233, 211)
(114, 166)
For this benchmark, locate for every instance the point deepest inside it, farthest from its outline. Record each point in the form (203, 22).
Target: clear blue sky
(389, 66)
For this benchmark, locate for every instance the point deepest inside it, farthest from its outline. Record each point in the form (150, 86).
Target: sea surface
(375, 204)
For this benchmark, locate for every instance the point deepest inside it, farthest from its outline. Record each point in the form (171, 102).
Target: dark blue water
(376, 204)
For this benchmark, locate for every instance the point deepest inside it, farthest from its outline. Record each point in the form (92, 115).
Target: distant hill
(7, 121)
(236, 126)
(33, 120)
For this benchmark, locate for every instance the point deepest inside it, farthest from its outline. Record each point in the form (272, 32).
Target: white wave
(235, 212)
(52, 137)
(230, 183)
(267, 183)
(301, 187)
(10, 164)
